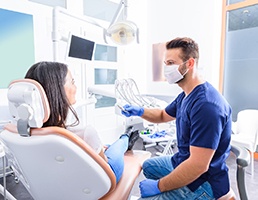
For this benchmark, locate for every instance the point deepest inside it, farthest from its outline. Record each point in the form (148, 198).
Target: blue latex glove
(149, 187)
(132, 110)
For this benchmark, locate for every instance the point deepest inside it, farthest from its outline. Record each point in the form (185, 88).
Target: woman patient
(59, 85)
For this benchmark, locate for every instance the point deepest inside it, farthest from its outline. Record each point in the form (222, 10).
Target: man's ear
(191, 62)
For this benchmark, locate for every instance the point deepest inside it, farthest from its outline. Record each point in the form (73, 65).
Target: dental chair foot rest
(133, 166)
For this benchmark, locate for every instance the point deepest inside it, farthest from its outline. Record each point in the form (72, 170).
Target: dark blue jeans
(158, 167)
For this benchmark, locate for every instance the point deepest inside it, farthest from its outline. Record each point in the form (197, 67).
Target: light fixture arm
(121, 32)
(121, 7)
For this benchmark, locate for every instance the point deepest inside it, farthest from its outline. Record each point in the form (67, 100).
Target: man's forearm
(184, 174)
(189, 170)
(155, 115)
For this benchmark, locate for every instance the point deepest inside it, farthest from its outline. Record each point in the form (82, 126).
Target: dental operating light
(122, 32)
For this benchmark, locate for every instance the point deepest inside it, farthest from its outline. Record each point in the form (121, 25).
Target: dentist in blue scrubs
(203, 120)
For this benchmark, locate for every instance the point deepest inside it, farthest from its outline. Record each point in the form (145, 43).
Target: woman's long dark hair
(51, 75)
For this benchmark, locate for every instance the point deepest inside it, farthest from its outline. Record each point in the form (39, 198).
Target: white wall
(167, 19)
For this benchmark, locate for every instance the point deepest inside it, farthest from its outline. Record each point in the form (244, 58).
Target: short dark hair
(188, 47)
(51, 75)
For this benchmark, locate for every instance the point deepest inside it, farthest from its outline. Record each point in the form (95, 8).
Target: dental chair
(52, 162)
(242, 160)
(245, 133)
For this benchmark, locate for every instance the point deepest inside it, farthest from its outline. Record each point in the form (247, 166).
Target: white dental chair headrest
(28, 104)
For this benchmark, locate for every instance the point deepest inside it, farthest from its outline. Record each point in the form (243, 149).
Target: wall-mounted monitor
(80, 47)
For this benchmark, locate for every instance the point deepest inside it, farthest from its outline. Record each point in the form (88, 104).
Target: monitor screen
(79, 47)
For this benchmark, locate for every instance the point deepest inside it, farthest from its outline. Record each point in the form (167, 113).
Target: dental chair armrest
(133, 166)
(242, 154)
(242, 160)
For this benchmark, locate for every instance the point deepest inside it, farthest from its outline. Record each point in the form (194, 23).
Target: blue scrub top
(203, 119)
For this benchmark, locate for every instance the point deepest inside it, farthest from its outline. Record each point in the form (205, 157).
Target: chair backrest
(54, 163)
(242, 160)
(247, 121)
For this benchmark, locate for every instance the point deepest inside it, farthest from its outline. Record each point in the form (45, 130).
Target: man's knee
(146, 164)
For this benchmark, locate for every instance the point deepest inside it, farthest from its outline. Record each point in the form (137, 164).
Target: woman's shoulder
(90, 128)
(82, 129)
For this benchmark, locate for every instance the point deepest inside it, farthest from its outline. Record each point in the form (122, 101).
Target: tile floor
(20, 193)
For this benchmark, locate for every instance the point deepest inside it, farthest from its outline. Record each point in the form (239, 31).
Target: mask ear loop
(187, 68)
(185, 72)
